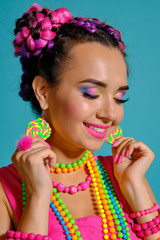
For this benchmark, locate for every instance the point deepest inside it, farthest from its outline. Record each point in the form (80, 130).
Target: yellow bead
(106, 236)
(99, 202)
(97, 193)
(105, 225)
(104, 220)
(98, 198)
(95, 184)
(92, 175)
(91, 172)
(103, 215)
(102, 211)
(105, 230)
(96, 189)
(93, 180)
(100, 206)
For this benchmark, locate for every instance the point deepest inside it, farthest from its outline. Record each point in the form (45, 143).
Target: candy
(38, 128)
(114, 135)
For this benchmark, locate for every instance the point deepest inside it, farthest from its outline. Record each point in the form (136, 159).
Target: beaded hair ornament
(38, 27)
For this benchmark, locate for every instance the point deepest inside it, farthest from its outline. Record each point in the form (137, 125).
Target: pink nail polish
(120, 159)
(47, 145)
(127, 153)
(115, 158)
(114, 144)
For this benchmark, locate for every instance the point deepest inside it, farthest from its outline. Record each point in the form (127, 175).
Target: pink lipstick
(95, 133)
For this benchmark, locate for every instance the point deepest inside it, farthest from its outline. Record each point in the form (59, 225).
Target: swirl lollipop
(117, 133)
(38, 128)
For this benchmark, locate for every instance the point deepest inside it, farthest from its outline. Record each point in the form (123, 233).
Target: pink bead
(138, 214)
(17, 234)
(142, 213)
(10, 233)
(156, 221)
(147, 211)
(38, 237)
(89, 179)
(60, 187)
(45, 237)
(84, 185)
(158, 226)
(54, 184)
(154, 230)
(66, 189)
(144, 226)
(24, 235)
(31, 236)
(79, 188)
(141, 234)
(137, 227)
(148, 232)
(151, 224)
(72, 189)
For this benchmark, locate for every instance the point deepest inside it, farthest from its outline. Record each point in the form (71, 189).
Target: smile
(96, 130)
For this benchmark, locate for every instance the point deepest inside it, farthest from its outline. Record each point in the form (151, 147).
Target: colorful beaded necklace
(113, 220)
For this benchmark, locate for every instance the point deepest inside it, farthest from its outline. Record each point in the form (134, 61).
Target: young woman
(75, 76)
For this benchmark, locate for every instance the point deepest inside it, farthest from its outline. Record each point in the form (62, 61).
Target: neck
(66, 153)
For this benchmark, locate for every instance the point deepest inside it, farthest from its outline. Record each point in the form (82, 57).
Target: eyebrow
(101, 84)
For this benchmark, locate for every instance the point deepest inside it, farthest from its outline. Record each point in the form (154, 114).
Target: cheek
(76, 111)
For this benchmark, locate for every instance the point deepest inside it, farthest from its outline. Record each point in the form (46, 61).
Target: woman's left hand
(131, 161)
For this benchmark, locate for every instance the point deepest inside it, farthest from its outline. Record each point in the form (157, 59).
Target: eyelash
(96, 96)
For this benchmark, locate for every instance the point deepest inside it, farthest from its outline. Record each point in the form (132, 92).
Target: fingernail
(47, 145)
(114, 144)
(115, 158)
(119, 160)
(127, 153)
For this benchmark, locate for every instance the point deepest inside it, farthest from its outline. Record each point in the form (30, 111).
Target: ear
(40, 89)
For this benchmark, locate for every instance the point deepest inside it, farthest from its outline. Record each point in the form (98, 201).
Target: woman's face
(90, 93)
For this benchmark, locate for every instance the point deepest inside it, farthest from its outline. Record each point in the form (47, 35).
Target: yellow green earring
(117, 133)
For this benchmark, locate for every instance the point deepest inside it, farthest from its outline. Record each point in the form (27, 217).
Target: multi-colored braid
(38, 27)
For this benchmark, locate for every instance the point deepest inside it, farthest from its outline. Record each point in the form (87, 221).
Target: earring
(38, 128)
(117, 133)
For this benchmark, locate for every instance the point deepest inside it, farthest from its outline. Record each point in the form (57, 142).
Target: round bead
(31, 236)
(24, 235)
(38, 237)
(72, 189)
(60, 187)
(66, 189)
(84, 185)
(17, 234)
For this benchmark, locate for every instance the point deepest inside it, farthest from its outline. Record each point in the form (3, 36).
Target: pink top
(90, 227)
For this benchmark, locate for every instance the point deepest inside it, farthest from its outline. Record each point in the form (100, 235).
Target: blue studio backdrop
(139, 23)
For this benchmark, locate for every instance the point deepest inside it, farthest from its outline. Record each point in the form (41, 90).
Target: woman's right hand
(31, 169)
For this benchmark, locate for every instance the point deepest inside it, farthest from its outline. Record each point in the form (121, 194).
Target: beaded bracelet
(11, 235)
(145, 212)
(146, 225)
(148, 232)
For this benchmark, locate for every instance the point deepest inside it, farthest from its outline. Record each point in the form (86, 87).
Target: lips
(96, 130)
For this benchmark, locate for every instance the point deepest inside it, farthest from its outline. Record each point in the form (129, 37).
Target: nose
(107, 110)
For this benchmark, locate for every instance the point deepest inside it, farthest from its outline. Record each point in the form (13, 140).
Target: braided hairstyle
(44, 39)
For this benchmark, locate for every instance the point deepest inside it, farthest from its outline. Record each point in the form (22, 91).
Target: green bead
(109, 201)
(122, 215)
(69, 165)
(66, 211)
(120, 235)
(102, 181)
(74, 164)
(24, 193)
(24, 197)
(117, 222)
(72, 221)
(69, 215)
(78, 234)
(83, 159)
(106, 192)
(80, 238)
(24, 203)
(54, 190)
(86, 155)
(119, 228)
(104, 187)
(111, 206)
(60, 200)
(113, 211)
(79, 162)
(57, 195)
(57, 165)
(63, 206)
(75, 227)
(128, 238)
(62, 165)
(115, 216)
(128, 234)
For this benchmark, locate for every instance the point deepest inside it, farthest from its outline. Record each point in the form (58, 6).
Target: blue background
(139, 24)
